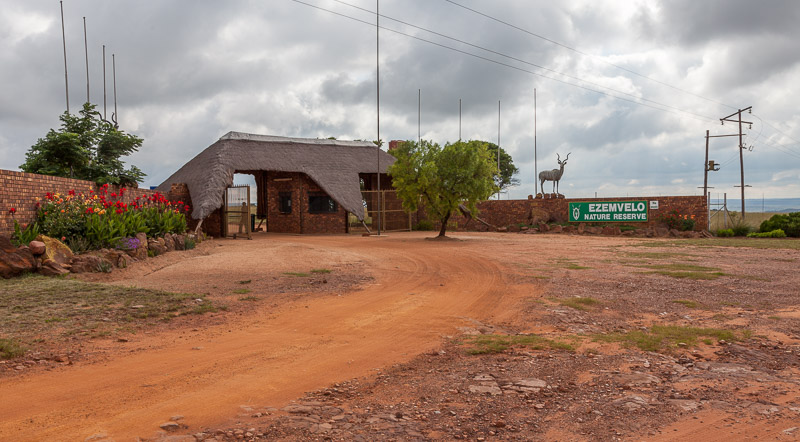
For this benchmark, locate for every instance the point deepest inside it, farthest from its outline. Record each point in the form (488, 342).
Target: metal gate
(237, 212)
(392, 216)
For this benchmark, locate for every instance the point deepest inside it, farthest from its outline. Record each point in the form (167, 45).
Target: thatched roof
(334, 165)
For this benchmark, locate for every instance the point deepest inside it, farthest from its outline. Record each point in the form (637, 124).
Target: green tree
(508, 170)
(85, 147)
(443, 177)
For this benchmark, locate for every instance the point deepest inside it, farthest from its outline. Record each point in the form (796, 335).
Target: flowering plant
(674, 220)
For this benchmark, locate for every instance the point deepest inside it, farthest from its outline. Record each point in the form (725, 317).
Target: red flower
(89, 210)
(105, 186)
(180, 203)
(63, 238)
(186, 207)
(72, 192)
(113, 195)
(12, 210)
(119, 210)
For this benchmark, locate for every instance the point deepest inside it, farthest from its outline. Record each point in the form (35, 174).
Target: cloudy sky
(627, 87)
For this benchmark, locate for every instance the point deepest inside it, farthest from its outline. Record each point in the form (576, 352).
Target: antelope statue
(553, 175)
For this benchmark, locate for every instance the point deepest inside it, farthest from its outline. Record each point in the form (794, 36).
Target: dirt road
(422, 290)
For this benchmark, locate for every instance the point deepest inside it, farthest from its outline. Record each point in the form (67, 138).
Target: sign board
(608, 211)
(654, 205)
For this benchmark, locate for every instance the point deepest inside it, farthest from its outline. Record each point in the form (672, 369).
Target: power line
(587, 54)
(524, 61)
(676, 112)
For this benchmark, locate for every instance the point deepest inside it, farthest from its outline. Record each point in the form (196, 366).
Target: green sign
(608, 211)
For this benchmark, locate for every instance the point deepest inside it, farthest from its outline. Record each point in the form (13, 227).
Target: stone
(86, 263)
(684, 404)
(556, 228)
(611, 231)
(180, 242)
(124, 261)
(13, 261)
(37, 247)
(543, 227)
(52, 268)
(502, 229)
(170, 426)
(493, 390)
(637, 378)
(56, 251)
(156, 247)
(631, 402)
(169, 242)
(581, 228)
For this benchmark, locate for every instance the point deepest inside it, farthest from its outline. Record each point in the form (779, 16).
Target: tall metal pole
(104, 83)
(114, 77)
(378, 84)
(459, 119)
(498, 145)
(419, 117)
(741, 160)
(64, 41)
(86, 52)
(705, 169)
(535, 171)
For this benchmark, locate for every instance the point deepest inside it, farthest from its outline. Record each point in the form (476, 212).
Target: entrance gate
(237, 212)
(392, 216)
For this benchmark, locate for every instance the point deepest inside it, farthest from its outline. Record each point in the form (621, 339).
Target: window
(321, 204)
(285, 202)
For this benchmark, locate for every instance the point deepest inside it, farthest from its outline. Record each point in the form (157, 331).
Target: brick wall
(20, 191)
(509, 212)
(320, 222)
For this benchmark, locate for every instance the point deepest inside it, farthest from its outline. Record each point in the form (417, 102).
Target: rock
(13, 261)
(169, 242)
(581, 228)
(556, 228)
(493, 390)
(124, 261)
(180, 242)
(298, 409)
(502, 229)
(543, 227)
(176, 418)
(56, 251)
(637, 378)
(156, 247)
(86, 263)
(52, 268)
(674, 233)
(170, 426)
(611, 231)
(789, 431)
(538, 216)
(631, 402)
(532, 384)
(661, 232)
(37, 247)
(684, 404)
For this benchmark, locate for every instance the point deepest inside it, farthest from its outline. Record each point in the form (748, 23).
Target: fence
(392, 216)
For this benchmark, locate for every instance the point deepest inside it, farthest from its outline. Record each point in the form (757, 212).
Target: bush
(23, 237)
(741, 229)
(102, 220)
(423, 224)
(725, 233)
(777, 233)
(789, 223)
(675, 220)
(189, 244)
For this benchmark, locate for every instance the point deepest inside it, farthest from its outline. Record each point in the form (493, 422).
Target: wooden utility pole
(535, 171)
(741, 144)
(104, 83)
(86, 52)
(64, 42)
(378, 85)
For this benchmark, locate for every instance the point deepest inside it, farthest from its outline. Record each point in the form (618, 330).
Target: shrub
(789, 223)
(423, 224)
(777, 233)
(724, 233)
(675, 220)
(189, 244)
(103, 220)
(23, 237)
(741, 229)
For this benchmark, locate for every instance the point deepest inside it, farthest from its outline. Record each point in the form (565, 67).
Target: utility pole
(64, 42)
(535, 171)
(741, 144)
(378, 86)
(86, 52)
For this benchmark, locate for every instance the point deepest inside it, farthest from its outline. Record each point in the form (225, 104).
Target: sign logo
(608, 211)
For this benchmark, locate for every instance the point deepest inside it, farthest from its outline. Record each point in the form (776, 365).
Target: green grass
(570, 265)
(246, 281)
(249, 298)
(578, 303)
(754, 243)
(35, 306)
(241, 291)
(9, 349)
(321, 271)
(662, 337)
(297, 274)
(686, 303)
(487, 344)
(684, 271)
(657, 255)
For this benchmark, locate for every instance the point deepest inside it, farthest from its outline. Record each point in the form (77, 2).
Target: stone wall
(19, 190)
(504, 213)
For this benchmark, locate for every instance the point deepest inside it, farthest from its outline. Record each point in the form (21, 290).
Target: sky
(627, 88)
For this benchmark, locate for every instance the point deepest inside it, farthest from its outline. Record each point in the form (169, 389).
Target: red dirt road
(422, 290)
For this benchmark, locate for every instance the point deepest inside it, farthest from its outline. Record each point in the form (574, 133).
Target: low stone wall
(19, 190)
(505, 213)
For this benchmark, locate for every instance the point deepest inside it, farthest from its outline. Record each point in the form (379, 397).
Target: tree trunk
(444, 224)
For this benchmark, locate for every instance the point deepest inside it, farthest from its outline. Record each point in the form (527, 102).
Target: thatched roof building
(333, 165)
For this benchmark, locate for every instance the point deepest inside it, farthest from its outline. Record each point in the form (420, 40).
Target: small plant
(241, 291)
(725, 233)
(578, 303)
(189, 244)
(660, 337)
(487, 344)
(77, 244)
(297, 274)
(424, 225)
(740, 228)
(245, 281)
(686, 303)
(675, 220)
(104, 267)
(9, 349)
(627, 228)
(249, 298)
(23, 237)
(320, 271)
(131, 243)
(777, 233)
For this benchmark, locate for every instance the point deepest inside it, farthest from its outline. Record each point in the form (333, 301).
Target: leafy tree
(508, 170)
(443, 177)
(85, 147)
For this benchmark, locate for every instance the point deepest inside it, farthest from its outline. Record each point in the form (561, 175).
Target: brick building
(303, 185)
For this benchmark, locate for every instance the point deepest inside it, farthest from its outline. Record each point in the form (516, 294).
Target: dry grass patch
(486, 344)
(664, 337)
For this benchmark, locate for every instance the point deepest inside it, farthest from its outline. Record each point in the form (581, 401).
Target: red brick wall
(20, 190)
(320, 222)
(284, 222)
(509, 212)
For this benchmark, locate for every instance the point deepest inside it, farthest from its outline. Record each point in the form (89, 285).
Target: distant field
(753, 219)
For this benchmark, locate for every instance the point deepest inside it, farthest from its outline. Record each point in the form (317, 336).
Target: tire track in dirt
(422, 290)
